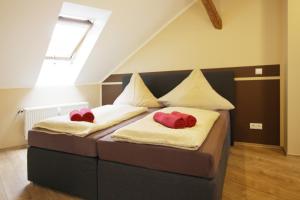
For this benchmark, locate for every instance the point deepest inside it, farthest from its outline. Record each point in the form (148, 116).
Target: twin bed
(97, 167)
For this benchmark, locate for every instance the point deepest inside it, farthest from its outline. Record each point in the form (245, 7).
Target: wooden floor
(253, 173)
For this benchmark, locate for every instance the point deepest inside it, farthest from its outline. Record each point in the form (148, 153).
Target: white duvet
(147, 131)
(105, 116)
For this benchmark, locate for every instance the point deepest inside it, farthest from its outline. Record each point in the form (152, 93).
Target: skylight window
(68, 35)
(73, 38)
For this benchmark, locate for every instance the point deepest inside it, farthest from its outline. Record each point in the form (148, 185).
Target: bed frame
(121, 181)
(65, 172)
(90, 178)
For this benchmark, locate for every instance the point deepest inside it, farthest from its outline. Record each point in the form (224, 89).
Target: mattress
(189, 138)
(203, 162)
(84, 146)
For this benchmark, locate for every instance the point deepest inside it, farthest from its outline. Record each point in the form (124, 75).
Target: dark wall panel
(110, 93)
(245, 71)
(257, 101)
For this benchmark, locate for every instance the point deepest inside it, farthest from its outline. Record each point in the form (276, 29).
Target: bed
(75, 165)
(130, 171)
(67, 163)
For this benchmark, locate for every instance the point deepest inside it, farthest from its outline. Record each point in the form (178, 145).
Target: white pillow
(136, 93)
(195, 91)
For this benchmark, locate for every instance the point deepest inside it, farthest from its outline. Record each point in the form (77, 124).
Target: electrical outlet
(256, 126)
(258, 71)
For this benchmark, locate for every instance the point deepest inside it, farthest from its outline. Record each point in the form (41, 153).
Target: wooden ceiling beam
(213, 13)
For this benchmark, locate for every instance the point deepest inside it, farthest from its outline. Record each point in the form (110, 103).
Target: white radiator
(36, 114)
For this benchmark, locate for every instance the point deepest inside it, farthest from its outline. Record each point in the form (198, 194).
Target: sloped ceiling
(26, 27)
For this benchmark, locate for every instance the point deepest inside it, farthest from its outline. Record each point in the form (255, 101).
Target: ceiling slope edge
(181, 12)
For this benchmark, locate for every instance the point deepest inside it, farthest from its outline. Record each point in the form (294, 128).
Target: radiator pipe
(21, 111)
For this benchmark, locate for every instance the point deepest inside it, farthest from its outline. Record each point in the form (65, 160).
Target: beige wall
(293, 82)
(252, 34)
(12, 125)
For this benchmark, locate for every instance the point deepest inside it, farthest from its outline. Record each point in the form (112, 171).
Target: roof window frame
(77, 47)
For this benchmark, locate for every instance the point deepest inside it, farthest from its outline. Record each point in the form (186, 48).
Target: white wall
(26, 27)
(293, 81)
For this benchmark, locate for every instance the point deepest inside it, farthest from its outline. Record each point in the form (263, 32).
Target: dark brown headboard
(160, 83)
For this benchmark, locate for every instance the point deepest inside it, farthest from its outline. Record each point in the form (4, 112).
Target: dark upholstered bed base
(73, 174)
(119, 181)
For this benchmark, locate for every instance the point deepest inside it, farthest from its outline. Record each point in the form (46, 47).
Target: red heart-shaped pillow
(85, 114)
